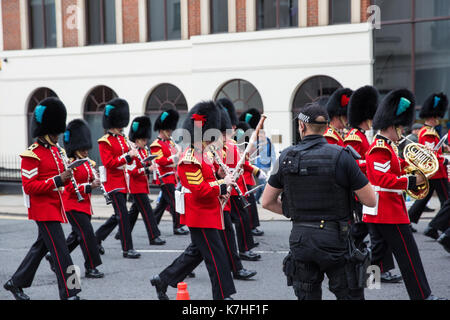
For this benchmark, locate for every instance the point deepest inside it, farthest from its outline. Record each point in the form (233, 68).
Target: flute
(72, 179)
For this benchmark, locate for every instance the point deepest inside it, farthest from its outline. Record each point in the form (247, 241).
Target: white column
(324, 13)
(302, 13)
(232, 16)
(205, 18)
(184, 19)
(356, 11)
(119, 22)
(81, 22)
(59, 23)
(24, 25)
(142, 13)
(250, 13)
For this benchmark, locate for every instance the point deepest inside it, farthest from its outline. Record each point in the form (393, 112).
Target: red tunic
(429, 137)
(113, 149)
(333, 137)
(83, 176)
(358, 140)
(202, 205)
(384, 171)
(40, 165)
(164, 149)
(138, 178)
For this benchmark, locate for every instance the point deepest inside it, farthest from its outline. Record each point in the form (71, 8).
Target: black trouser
(206, 246)
(50, 238)
(167, 199)
(442, 219)
(253, 210)
(240, 218)
(121, 217)
(229, 240)
(82, 232)
(441, 187)
(400, 238)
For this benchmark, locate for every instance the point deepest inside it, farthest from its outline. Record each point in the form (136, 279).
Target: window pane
(394, 10)
(50, 23)
(267, 14)
(37, 24)
(156, 16)
(110, 21)
(288, 13)
(173, 20)
(340, 11)
(219, 16)
(432, 8)
(392, 57)
(94, 20)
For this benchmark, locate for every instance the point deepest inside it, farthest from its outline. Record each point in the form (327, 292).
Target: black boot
(180, 231)
(191, 275)
(257, 232)
(49, 258)
(249, 256)
(101, 250)
(388, 277)
(243, 274)
(117, 236)
(131, 254)
(16, 291)
(93, 273)
(157, 242)
(431, 232)
(444, 240)
(160, 287)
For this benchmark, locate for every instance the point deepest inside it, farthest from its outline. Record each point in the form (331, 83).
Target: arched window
(166, 96)
(93, 113)
(311, 90)
(243, 94)
(37, 96)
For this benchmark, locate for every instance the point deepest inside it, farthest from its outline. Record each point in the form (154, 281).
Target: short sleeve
(276, 179)
(348, 173)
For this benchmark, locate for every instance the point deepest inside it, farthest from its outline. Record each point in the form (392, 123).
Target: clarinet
(158, 173)
(102, 187)
(65, 162)
(226, 169)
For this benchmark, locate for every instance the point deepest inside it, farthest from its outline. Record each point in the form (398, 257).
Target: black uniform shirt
(348, 174)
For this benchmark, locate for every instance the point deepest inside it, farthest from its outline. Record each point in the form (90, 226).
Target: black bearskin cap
(434, 106)
(141, 128)
(252, 117)
(205, 114)
(225, 122)
(396, 109)
(167, 120)
(77, 137)
(338, 103)
(362, 106)
(49, 117)
(116, 114)
(229, 106)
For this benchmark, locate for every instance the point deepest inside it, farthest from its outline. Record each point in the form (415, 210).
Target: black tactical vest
(309, 176)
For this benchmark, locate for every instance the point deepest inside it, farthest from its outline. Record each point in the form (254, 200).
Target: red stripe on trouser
(242, 224)
(121, 223)
(229, 250)
(171, 199)
(84, 240)
(445, 189)
(144, 213)
(410, 261)
(215, 266)
(57, 258)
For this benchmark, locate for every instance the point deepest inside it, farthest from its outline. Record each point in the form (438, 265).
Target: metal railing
(10, 168)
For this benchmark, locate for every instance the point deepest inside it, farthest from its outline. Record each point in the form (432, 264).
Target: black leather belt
(325, 225)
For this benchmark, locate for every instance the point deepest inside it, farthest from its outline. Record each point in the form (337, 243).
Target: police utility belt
(374, 211)
(179, 199)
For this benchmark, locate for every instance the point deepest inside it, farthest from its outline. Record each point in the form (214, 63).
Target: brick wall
(194, 17)
(364, 5)
(11, 24)
(69, 21)
(313, 13)
(130, 9)
(241, 17)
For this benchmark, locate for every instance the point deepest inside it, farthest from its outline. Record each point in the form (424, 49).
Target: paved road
(129, 279)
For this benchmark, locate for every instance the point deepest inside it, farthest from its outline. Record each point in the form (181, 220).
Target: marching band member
(202, 210)
(115, 155)
(433, 109)
(140, 133)
(389, 219)
(337, 112)
(43, 178)
(165, 150)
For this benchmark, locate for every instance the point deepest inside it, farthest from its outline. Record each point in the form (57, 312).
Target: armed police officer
(317, 180)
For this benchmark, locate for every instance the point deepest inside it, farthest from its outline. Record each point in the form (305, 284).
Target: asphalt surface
(129, 279)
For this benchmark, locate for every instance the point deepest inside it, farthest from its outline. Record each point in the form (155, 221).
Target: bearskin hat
(141, 128)
(77, 137)
(362, 106)
(116, 114)
(167, 120)
(252, 117)
(338, 103)
(242, 129)
(396, 109)
(229, 106)
(49, 117)
(204, 115)
(434, 106)
(225, 121)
